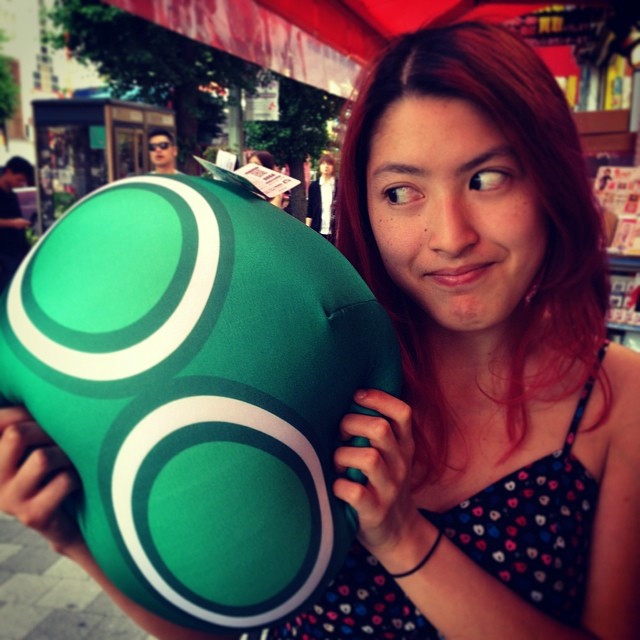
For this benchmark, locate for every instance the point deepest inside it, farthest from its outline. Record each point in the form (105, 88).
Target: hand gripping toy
(192, 349)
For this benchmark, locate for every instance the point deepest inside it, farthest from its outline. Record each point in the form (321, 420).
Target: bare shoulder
(611, 608)
(617, 355)
(622, 366)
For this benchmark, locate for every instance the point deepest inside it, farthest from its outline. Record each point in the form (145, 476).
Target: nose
(450, 229)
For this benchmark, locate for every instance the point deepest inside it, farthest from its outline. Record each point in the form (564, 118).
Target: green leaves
(302, 128)
(160, 66)
(8, 87)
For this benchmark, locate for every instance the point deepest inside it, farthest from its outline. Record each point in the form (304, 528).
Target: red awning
(320, 42)
(357, 28)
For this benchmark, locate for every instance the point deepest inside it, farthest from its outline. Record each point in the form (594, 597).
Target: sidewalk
(46, 597)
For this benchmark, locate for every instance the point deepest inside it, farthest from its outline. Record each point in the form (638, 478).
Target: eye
(402, 195)
(488, 180)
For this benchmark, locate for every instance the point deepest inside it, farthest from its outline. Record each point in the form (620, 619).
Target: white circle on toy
(182, 413)
(147, 353)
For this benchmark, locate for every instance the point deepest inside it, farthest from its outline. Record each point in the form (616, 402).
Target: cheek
(530, 238)
(535, 236)
(396, 243)
(522, 223)
(383, 231)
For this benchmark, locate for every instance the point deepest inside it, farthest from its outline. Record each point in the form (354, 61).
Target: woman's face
(454, 216)
(255, 160)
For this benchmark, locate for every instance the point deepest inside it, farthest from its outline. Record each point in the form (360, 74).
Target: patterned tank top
(530, 529)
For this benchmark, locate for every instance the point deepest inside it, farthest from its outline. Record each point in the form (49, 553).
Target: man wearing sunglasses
(162, 151)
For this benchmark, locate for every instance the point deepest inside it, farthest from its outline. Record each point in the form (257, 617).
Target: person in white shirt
(322, 196)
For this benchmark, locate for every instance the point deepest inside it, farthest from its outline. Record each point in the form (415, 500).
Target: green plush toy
(192, 349)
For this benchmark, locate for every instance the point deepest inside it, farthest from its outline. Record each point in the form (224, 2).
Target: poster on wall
(617, 189)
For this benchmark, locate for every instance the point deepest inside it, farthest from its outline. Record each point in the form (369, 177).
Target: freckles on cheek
(387, 236)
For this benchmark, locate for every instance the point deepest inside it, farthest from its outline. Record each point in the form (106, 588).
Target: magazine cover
(618, 191)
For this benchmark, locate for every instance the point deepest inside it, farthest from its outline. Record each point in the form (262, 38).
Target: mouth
(466, 274)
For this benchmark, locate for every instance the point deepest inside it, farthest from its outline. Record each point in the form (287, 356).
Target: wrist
(412, 550)
(72, 549)
(427, 556)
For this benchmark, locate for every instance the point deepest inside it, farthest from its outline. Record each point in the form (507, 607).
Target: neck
(477, 365)
(471, 363)
(165, 169)
(472, 349)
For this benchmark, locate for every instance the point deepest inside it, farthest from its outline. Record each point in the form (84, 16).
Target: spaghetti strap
(582, 403)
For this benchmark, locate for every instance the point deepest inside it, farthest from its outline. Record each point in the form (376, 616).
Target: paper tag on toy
(223, 175)
(258, 180)
(269, 182)
(226, 159)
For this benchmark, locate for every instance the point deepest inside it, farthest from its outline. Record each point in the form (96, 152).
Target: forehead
(431, 130)
(159, 138)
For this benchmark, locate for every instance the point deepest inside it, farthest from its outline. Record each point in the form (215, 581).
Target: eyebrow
(413, 170)
(397, 167)
(502, 150)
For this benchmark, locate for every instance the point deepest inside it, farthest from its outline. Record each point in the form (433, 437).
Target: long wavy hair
(501, 75)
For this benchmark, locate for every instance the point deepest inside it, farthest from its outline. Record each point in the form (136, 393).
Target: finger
(38, 469)
(382, 435)
(365, 502)
(382, 480)
(43, 512)
(15, 442)
(376, 429)
(51, 496)
(356, 495)
(395, 410)
(13, 415)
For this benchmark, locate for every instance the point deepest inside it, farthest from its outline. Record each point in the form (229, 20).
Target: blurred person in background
(163, 151)
(17, 173)
(266, 159)
(322, 198)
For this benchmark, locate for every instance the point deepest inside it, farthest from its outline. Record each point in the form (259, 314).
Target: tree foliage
(161, 66)
(301, 131)
(8, 87)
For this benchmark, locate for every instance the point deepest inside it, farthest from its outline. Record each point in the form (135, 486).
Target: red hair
(501, 75)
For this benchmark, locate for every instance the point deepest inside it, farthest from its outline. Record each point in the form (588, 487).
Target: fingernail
(361, 394)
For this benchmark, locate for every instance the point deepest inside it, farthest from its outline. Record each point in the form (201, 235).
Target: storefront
(82, 144)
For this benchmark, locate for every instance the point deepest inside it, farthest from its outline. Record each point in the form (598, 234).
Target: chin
(463, 321)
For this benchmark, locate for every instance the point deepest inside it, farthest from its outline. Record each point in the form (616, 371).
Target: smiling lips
(460, 276)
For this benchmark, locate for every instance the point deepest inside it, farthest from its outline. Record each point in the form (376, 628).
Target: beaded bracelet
(422, 562)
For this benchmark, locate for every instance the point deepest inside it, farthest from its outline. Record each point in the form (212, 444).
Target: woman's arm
(35, 477)
(14, 223)
(454, 593)
(613, 593)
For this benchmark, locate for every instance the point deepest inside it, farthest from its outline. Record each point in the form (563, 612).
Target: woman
(502, 488)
